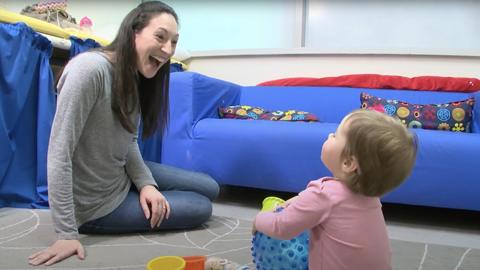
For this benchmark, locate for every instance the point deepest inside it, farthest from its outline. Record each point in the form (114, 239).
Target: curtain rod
(57, 42)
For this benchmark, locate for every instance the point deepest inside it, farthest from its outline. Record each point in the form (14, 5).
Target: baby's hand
(254, 229)
(286, 204)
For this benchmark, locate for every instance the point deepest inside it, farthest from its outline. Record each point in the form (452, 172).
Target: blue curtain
(27, 106)
(79, 45)
(150, 148)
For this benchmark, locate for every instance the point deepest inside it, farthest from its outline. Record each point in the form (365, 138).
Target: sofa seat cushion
(446, 166)
(453, 116)
(286, 156)
(278, 155)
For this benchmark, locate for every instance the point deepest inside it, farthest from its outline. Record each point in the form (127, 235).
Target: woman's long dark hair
(129, 86)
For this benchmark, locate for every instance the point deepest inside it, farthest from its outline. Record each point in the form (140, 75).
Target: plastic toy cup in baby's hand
(271, 253)
(271, 203)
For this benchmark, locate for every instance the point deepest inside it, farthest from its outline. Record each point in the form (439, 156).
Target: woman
(98, 181)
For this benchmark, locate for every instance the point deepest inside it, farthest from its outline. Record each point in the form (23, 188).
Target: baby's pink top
(347, 230)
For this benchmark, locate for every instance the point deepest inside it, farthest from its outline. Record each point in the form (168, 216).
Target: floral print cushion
(241, 112)
(257, 113)
(454, 116)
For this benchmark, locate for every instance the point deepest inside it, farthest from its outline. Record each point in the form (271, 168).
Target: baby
(370, 154)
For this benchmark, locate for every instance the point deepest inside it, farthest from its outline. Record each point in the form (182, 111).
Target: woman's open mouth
(154, 61)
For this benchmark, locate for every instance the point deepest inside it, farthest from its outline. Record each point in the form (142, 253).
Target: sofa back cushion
(331, 104)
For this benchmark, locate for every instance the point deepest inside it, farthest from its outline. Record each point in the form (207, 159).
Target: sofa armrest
(193, 97)
(476, 113)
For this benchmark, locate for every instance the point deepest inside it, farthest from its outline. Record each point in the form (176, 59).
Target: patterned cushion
(290, 115)
(454, 116)
(241, 112)
(257, 113)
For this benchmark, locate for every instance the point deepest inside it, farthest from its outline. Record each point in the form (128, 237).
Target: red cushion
(377, 81)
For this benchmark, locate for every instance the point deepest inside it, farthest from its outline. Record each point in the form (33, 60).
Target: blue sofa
(285, 156)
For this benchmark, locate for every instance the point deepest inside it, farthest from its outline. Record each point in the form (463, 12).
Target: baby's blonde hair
(384, 148)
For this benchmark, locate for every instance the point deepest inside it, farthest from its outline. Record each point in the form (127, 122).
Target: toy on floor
(194, 262)
(166, 263)
(271, 253)
(216, 263)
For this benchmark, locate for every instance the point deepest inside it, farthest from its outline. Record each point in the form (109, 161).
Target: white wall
(236, 24)
(253, 67)
(433, 26)
(397, 37)
(205, 24)
(346, 44)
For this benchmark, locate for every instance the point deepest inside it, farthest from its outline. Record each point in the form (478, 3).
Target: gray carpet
(24, 231)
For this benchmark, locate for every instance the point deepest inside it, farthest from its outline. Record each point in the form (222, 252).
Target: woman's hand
(154, 205)
(59, 251)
